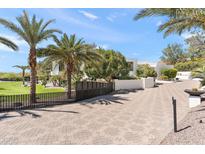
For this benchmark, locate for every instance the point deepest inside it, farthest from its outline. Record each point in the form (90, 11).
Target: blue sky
(108, 28)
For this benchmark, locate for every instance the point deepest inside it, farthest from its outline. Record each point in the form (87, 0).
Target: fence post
(174, 114)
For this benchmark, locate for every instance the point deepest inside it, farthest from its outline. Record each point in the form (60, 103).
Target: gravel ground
(190, 129)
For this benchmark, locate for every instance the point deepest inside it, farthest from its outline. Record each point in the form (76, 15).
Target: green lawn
(13, 88)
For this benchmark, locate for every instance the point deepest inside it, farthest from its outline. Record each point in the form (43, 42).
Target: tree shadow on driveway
(32, 113)
(6, 116)
(103, 100)
(20, 113)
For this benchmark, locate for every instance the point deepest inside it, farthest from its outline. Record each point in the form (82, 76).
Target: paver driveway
(142, 117)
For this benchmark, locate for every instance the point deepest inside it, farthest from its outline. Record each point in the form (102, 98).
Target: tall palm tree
(72, 52)
(8, 43)
(173, 53)
(33, 32)
(179, 19)
(23, 68)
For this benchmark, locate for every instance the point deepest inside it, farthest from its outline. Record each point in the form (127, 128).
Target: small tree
(145, 70)
(23, 68)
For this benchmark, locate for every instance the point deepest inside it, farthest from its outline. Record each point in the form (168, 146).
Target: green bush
(44, 79)
(164, 77)
(10, 77)
(203, 82)
(126, 78)
(145, 70)
(56, 80)
(170, 73)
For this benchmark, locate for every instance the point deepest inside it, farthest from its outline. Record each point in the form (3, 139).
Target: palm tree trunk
(69, 71)
(23, 77)
(32, 63)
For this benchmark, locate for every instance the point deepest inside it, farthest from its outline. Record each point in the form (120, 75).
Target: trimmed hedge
(164, 77)
(11, 77)
(170, 73)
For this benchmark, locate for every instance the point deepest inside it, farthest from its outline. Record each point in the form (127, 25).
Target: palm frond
(8, 43)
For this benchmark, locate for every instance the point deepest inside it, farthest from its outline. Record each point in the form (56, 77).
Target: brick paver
(142, 117)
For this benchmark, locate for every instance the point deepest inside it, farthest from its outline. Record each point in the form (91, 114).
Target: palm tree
(72, 52)
(8, 43)
(173, 53)
(179, 19)
(112, 65)
(23, 68)
(32, 32)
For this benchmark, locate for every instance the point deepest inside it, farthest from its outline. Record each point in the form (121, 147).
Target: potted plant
(194, 92)
(194, 96)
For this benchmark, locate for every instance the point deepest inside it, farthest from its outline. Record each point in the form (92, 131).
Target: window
(131, 65)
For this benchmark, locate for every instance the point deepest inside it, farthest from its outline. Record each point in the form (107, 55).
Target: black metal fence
(85, 90)
(17, 102)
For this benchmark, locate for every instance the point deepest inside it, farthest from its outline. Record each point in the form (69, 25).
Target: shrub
(164, 77)
(126, 78)
(44, 79)
(170, 73)
(56, 80)
(203, 82)
(10, 77)
(145, 71)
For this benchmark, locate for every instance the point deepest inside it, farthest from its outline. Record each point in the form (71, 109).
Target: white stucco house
(133, 67)
(55, 68)
(158, 66)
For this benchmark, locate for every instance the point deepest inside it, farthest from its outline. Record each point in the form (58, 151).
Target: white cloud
(115, 15)
(111, 18)
(101, 32)
(14, 39)
(88, 15)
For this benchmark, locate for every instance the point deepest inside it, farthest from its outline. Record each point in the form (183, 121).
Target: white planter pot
(194, 101)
